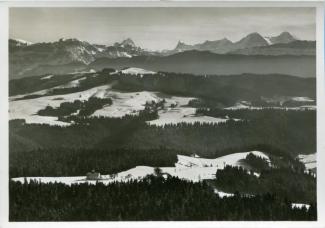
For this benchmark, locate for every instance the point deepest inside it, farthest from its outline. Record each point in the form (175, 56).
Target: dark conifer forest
(153, 198)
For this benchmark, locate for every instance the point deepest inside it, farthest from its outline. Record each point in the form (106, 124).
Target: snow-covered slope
(188, 168)
(175, 109)
(20, 42)
(132, 103)
(231, 159)
(27, 109)
(124, 103)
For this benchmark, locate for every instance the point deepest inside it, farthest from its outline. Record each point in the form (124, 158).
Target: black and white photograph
(162, 114)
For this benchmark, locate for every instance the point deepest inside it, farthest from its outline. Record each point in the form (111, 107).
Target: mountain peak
(127, 42)
(285, 33)
(253, 35)
(251, 40)
(181, 46)
(180, 43)
(225, 39)
(284, 37)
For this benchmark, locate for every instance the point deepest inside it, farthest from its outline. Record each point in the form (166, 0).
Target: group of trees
(84, 108)
(266, 114)
(76, 162)
(256, 163)
(153, 198)
(294, 186)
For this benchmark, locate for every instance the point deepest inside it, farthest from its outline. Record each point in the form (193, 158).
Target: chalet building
(93, 175)
(166, 175)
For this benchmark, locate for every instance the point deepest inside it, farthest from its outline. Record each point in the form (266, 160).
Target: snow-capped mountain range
(76, 50)
(66, 55)
(225, 45)
(85, 52)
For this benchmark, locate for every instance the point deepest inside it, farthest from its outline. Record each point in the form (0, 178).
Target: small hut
(93, 175)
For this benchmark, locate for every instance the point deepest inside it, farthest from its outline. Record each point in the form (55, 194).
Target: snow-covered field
(137, 71)
(220, 162)
(187, 168)
(309, 160)
(182, 115)
(27, 109)
(174, 111)
(132, 103)
(124, 103)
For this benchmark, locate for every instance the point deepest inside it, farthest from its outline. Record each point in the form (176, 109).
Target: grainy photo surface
(162, 114)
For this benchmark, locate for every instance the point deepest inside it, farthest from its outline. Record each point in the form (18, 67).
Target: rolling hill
(204, 62)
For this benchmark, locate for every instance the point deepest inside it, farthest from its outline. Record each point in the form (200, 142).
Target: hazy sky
(158, 28)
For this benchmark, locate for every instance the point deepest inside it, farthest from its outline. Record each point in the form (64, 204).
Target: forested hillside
(278, 119)
(272, 131)
(225, 90)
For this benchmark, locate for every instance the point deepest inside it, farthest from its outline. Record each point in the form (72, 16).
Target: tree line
(278, 133)
(216, 90)
(153, 198)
